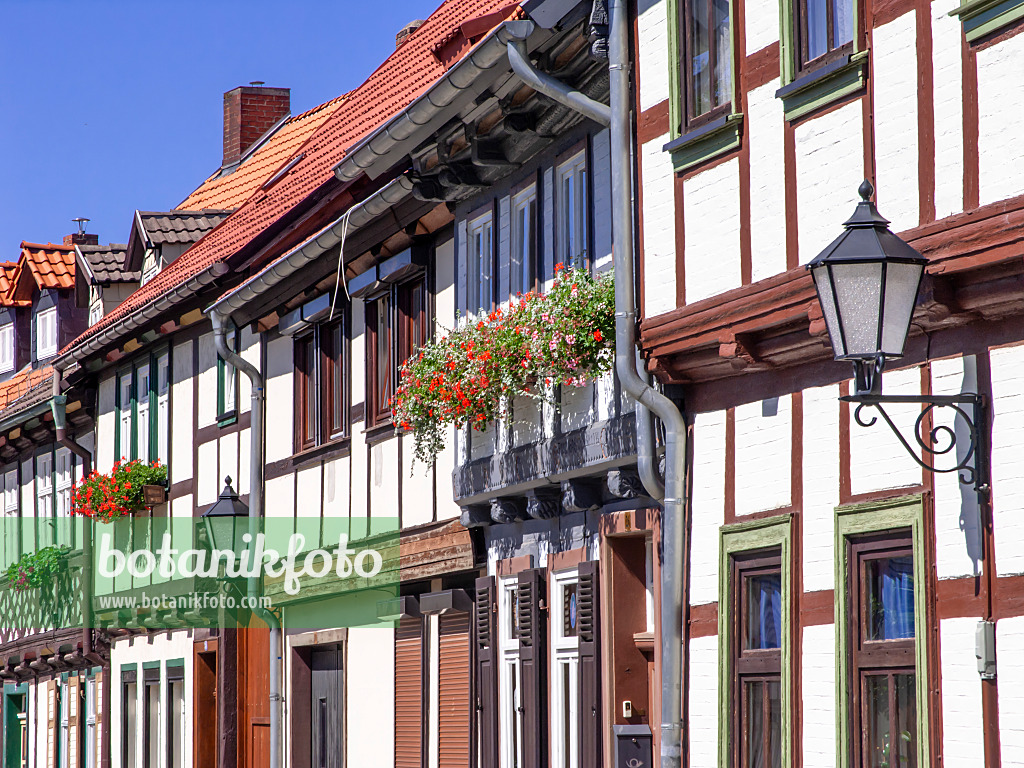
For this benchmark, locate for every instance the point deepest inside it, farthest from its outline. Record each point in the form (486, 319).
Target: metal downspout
(58, 405)
(256, 512)
(672, 520)
(554, 89)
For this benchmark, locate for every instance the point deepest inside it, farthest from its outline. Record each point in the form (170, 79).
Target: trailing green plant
(36, 569)
(466, 377)
(106, 497)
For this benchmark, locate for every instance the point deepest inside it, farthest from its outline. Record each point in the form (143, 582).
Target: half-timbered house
(837, 593)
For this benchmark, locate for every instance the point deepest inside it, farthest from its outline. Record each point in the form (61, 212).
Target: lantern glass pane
(828, 308)
(901, 284)
(858, 292)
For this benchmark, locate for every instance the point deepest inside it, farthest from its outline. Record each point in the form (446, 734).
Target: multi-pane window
(64, 477)
(143, 409)
(227, 381)
(10, 543)
(565, 668)
(480, 247)
(825, 30)
(321, 385)
(884, 675)
(46, 333)
(572, 219)
(757, 660)
(6, 348)
(151, 713)
(510, 703)
(90, 722)
(175, 720)
(524, 240)
(706, 68)
(129, 720)
(44, 485)
(396, 327)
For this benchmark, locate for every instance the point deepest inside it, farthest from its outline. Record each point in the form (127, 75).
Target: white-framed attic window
(46, 333)
(7, 348)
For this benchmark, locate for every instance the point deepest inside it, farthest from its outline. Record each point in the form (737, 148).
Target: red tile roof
(22, 383)
(403, 76)
(6, 273)
(46, 265)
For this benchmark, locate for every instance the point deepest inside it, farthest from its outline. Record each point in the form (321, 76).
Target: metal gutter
(404, 126)
(555, 89)
(313, 248)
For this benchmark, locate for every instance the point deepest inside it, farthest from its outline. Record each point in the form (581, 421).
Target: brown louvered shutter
(409, 693)
(453, 690)
(51, 723)
(74, 705)
(533, 665)
(587, 596)
(486, 644)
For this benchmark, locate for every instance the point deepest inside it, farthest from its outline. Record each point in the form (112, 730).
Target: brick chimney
(80, 237)
(249, 112)
(407, 30)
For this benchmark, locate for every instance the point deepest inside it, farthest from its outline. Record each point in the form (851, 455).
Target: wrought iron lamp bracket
(941, 440)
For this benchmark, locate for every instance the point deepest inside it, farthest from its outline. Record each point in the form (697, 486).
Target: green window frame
(698, 138)
(856, 521)
(157, 360)
(227, 383)
(771, 533)
(981, 18)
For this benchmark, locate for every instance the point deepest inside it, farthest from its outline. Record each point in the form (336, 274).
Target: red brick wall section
(249, 112)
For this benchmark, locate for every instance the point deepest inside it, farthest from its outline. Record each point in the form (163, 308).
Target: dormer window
(7, 348)
(46, 333)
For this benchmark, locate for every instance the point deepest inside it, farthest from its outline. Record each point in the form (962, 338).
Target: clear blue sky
(109, 106)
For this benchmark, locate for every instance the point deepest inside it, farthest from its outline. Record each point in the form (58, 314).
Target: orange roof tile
(405, 74)
(6, 274)
(233, 189)
(22, 383)
(49, 265)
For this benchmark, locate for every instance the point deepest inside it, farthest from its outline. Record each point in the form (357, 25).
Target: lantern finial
(865, 190)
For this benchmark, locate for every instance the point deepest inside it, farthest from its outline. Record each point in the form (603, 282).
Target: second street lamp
(867, 281)
(226, 521)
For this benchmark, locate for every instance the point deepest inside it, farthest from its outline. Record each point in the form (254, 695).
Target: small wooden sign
(154, 494)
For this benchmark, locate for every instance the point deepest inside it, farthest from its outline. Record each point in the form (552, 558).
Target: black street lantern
(226, 521)
(867, 281)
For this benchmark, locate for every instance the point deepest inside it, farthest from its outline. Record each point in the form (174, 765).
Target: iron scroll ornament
(940, 440)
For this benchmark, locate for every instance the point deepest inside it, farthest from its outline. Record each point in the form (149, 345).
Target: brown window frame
(691, 120)
(805, 64)
(408, 329)
(874, 657)
(763, 666)
(317, 359)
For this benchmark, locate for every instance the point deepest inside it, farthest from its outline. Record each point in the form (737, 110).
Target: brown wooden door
(254, 695)
(206, 739)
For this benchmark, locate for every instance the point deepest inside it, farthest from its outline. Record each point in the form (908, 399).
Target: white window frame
(141, 399)
(573, 204)
(6, 348)
(90, 723)
(125, 412)
(143, 391)
(510, 716)
(524, 239)
(64, 736)
(163, 408)
(46, 344)
(95, 304)
(565, 652)
(176, 720)
(44, 485)
(480, 265)
(63, 480)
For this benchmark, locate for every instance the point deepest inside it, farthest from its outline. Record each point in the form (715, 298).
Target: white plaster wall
(761, 25)
(767, 176)
(821, 485)
(829, 168)
(444, 304)
(948, 104)
(877, 458)
(602, 189)
(652, 27)
(764, 447)
(336, 482)
(207, 381)
(1007, 467)
(105, 425)
(280, 496)
(370, 703)
(461, 274)
(384, 501)
(659, 228)
(1000, 107)
(711, 212)
(504, 235)
(818, 675)
(894, 72)
(308, 491)
(703, 699)
(577, 407)
(227, 460)
(244, 460)
(963, 734)
(183, 412)
(206, 484)
(249, 349)
(708, 505)
(418, 487)
(280, 394)
(1010, 649)
(357, 451)
(958, 533)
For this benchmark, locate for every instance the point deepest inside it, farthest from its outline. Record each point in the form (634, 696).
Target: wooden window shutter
(74, 705)
(587, 595)
(486, 645)
(533, 666)
(51, 723)
(453, 678)
(409, 693)
(99, 719)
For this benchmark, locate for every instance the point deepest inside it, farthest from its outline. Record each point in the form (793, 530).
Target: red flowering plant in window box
(106, 497)
(467, 377)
